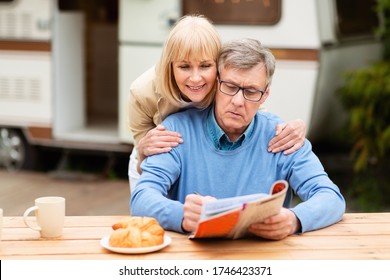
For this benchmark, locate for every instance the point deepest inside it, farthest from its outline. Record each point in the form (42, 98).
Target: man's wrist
(296, 226)
(182, 227)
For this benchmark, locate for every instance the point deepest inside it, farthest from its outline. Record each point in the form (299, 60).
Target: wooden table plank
(70, 221)
(220, 248)
(358, 236)
(356, 254)
(365, 218)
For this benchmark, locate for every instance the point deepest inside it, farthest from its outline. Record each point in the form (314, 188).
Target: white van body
(44, 75)
(310, 57)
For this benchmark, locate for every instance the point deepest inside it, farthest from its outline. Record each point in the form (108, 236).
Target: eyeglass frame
(242, 89)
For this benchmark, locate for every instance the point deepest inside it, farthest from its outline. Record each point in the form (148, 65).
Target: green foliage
(383, 9)
(366, 97)
(370, 192)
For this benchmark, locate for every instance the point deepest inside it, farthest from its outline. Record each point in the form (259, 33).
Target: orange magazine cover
(230, 217)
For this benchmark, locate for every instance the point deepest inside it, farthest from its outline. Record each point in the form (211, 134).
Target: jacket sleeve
(141, 107)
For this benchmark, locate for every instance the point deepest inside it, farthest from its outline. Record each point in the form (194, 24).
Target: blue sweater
(197, 166)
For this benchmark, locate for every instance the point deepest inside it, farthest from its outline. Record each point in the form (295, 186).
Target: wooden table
(357, 237)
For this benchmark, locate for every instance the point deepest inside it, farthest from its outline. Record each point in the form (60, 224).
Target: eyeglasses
(250, 94)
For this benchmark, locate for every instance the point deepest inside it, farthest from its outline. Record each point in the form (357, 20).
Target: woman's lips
(195, 88)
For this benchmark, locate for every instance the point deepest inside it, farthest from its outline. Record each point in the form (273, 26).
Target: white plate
(105, 243)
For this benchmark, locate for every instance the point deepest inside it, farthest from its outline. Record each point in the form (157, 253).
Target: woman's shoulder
(145, 82)
(143, 89)
(144, 94)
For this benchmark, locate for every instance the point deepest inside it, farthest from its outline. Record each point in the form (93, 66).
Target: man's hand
(278, 226)
(192, 210)
(289, 137)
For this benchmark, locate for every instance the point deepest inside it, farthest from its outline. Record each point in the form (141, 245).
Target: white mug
(1, 222)
(50, 215)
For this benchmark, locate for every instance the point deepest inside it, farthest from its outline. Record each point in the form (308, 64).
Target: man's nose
(238, 98)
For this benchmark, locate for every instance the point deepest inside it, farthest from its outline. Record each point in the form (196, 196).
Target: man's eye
(250, 91)
(231, 86)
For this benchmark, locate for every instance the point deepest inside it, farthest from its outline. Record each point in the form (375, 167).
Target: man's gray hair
(246, 54)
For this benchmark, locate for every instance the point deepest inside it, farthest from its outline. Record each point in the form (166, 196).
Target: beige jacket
(146, 107)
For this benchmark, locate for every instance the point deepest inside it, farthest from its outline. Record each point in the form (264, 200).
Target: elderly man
(224, 154)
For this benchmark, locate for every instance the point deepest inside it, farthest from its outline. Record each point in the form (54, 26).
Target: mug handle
(25, 215)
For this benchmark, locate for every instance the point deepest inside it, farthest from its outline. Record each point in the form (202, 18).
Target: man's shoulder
(268, 121)
(190, 114)
(185, 119)
(267, 117)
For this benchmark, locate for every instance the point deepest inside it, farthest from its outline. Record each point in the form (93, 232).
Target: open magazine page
(257, 212)
(211, 208)
(230, 217)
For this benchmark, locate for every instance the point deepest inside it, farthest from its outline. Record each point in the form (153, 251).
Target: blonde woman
(186, 76)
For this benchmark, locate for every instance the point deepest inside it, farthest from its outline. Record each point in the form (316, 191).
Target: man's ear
(265, 95)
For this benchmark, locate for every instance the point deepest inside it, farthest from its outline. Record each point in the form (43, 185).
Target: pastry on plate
(136, 232)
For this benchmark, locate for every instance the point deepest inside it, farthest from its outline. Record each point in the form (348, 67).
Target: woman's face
(195, 78)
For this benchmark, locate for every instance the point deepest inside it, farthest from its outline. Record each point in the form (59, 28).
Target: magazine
(231, 217)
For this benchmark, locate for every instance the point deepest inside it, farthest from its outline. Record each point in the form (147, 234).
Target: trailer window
(356, 17)
(259, 12)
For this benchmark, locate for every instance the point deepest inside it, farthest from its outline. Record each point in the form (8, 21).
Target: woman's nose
(195, 76)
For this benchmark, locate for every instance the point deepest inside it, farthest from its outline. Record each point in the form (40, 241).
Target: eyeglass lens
(250, 94)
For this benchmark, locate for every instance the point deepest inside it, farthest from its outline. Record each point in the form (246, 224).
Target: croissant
(135, 232)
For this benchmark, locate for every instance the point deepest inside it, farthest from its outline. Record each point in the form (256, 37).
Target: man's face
(234, 113)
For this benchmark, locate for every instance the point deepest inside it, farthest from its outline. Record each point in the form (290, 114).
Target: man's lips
(234, 114)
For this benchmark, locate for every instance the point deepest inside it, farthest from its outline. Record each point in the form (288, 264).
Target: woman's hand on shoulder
(158, 140)
(289, 137)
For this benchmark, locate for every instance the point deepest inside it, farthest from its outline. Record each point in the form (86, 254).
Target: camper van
(66, 65)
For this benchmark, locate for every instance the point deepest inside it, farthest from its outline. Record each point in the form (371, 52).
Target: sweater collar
(219, 138)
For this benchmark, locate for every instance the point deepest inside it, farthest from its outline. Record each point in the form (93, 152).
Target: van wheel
(15, 152)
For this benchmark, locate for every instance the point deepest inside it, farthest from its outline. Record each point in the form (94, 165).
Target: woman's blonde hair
(193, 36)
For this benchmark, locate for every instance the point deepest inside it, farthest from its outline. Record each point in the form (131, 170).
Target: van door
(86, 71)
(143, 27)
